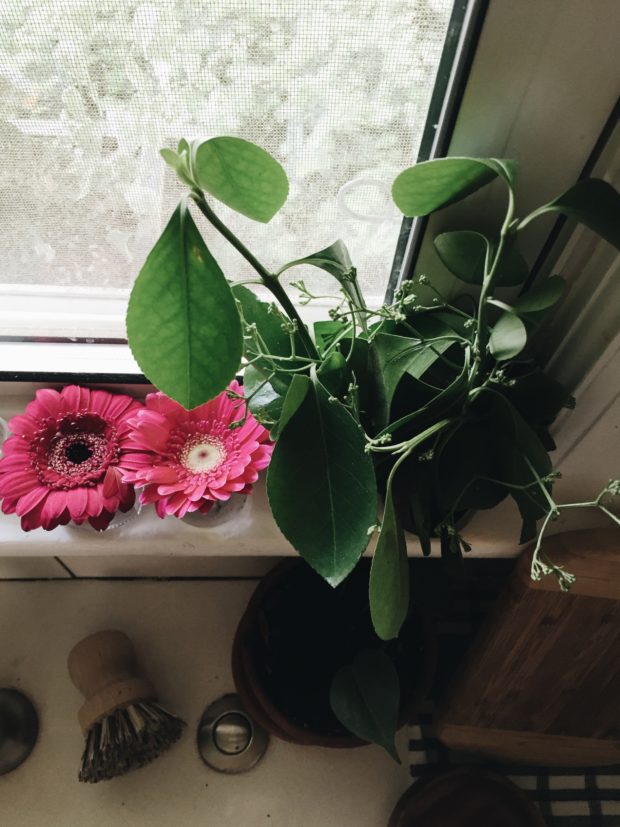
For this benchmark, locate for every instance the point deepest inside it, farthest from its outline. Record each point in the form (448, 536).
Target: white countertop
(183, 634)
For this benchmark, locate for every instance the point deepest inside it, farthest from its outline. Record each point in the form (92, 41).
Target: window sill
(250, 533)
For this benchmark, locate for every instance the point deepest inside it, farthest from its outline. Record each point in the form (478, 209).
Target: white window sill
(250, 533)
(588, 455)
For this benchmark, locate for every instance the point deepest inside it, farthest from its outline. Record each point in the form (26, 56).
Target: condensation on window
(90, 90)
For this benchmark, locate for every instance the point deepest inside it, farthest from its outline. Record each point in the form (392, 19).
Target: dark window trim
(456, 60)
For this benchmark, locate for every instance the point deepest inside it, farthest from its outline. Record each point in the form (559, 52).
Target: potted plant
(293, 664)
(432, 406)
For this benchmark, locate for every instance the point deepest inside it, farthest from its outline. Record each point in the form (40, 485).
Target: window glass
(90, 90)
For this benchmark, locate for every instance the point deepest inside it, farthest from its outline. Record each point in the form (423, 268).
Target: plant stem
(482, 333)
(269, 279)
(408, 446)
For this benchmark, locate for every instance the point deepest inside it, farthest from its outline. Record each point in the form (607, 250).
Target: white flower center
(202, 454)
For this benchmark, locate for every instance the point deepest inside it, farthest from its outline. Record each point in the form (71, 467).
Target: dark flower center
(78, 452)
(74, 451)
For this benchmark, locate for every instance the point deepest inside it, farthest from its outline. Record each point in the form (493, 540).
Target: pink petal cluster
(187, 460)
(65, 459)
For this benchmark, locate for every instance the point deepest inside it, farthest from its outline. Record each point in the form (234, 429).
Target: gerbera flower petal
(50, 401)
(30, 500)
(77, 502)
(55, 505)
(186, 460)
(75, 398)
(22, 426)
(101, 521)
(32, 519)
(67, 448)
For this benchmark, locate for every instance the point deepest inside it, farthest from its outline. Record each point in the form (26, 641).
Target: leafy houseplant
(433, 406)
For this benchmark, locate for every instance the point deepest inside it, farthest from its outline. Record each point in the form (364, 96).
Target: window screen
(90, 90)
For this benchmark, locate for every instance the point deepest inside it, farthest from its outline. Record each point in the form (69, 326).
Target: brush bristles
(127, 739)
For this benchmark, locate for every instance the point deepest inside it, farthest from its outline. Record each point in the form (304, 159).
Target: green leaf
(178, 162)
(268, 320)
(325, 332)
(517, 447)
(594, 203)
(522, 435)
(294, 397)
(512, 268)
(541, 297)
(431, 185)
(183, 325)
(468, 455)
(265, 403)
(508, 337)
(434, 408)
(464, 252)
(389, 575)
(171, 158)
(333, 373)
(321, 484)
(505, 167)
(334, 259)
(241, 175)
(398, 355)
(537, 397)
(365, 697)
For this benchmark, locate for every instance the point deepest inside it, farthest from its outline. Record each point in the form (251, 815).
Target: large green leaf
(522, 435)
(508, 337)
(431, 185)
(269, 322)
(294, 397)
(541, 296)
(241, 175)
(519, 449)
(321, 484)
(334, 259)
(594, 203)
(469, 455)
(183, 325)
(325, 331)
(389, 575)
(264, 401)
(464, 252)
(365, 697)
(333, 374)
(433, 409)
(398, 355)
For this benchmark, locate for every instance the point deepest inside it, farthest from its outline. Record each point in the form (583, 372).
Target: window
(90, 90)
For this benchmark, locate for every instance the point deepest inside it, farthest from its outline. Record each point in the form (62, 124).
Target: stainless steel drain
(19, 728)
(228, 739)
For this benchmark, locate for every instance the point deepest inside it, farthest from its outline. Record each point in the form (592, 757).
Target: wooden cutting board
(465, 797)
(541, 683)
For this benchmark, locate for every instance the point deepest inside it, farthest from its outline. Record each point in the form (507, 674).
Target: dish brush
(124, 725)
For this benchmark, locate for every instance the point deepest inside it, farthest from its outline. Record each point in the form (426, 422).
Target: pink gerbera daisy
(64, 460)
(187, 460)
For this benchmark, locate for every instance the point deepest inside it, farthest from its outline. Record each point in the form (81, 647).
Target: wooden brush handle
(103, 667)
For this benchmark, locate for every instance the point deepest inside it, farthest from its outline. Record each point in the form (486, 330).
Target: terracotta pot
(247, 657)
